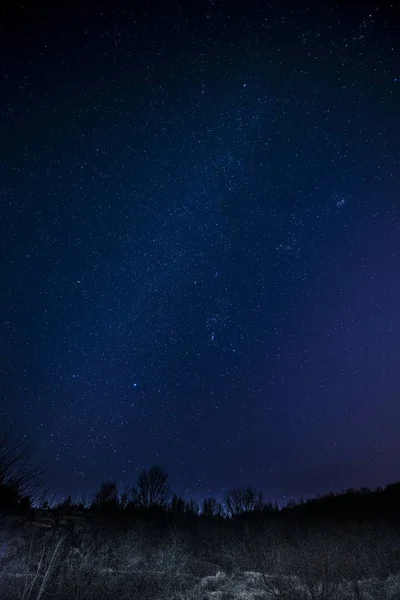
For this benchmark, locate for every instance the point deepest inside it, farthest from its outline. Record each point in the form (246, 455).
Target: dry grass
(133, 565)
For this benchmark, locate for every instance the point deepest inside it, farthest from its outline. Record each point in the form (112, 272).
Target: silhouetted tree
(152, 488)
(65, 504)
(20, 476)
(107, 496)
(239, 501)
(192, 508)
(211, 508)
(177, 508)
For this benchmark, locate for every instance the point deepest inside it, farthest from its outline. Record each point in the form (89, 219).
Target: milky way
(200, 233)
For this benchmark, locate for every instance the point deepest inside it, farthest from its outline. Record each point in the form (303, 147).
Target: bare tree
(107, 494)
(318, 565)
(20, 475)
(153, 488)
(192, 507)
(243, 500)
(273, 562)
(211, 508)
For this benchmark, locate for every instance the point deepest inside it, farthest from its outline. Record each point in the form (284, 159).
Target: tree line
(22, 488)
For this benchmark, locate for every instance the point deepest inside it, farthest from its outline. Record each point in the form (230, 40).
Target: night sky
(200, 243)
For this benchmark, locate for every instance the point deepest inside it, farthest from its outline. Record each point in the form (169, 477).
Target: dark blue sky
(200, 243)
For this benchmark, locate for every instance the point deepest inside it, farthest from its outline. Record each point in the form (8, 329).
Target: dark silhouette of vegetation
(20, 476)
(149, 543)
(106, 498)
(243, 500)
(152, 488)
(212, 509)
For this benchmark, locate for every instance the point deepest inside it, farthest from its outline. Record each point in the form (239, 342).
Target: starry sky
(200, 242)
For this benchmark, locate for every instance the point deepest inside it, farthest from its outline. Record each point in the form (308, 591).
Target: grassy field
(141, 563)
